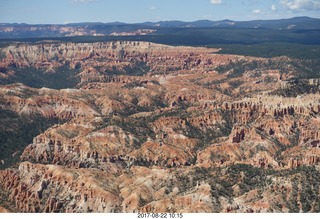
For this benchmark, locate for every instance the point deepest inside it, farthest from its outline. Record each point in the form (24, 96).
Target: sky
(135, 11)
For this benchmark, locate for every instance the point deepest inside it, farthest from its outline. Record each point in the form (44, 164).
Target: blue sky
(133, 11)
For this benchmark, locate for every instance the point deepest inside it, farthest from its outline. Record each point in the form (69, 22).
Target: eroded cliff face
(155, 128)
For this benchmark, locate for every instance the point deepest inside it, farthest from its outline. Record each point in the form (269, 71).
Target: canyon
(144, 127)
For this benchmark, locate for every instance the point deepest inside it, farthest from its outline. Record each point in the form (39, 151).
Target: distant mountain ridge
(299, 22)
(22, 30)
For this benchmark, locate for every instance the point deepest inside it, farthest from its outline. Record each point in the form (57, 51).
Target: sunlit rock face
(146, 127)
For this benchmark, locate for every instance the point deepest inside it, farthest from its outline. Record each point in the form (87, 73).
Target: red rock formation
(181, 137)
(43, 188)
(3, 210)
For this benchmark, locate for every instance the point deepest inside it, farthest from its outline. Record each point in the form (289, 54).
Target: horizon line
(155, 22)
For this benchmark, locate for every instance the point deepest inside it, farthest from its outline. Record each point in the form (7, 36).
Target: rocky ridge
(190, 131)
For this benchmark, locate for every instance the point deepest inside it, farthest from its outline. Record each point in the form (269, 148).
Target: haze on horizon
(135, 11)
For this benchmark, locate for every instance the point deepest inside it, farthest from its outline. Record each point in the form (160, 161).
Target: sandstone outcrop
(156, 128)
(3, 210)
(37, 187)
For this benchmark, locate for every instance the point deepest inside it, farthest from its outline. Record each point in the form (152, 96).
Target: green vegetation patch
(16, 132)
(63, 77)
(136, 69)
(269, 50)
